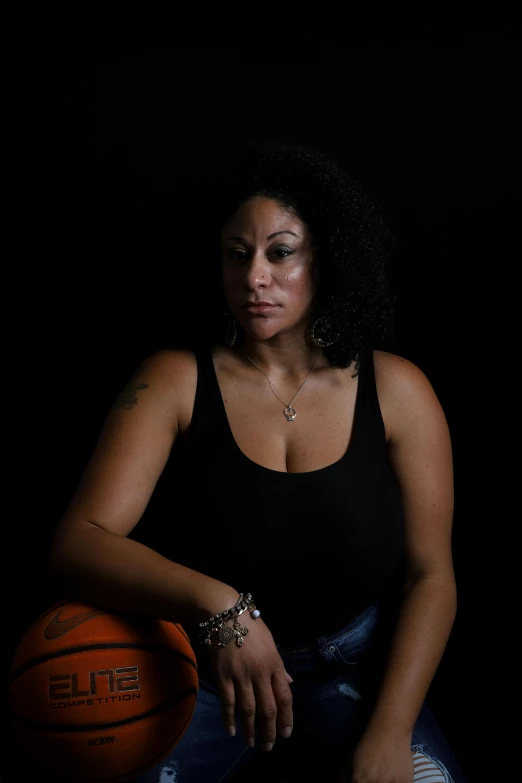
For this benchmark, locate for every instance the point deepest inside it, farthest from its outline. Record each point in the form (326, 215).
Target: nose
(257, 271)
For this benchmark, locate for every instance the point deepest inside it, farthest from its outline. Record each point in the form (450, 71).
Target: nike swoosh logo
(57, 627)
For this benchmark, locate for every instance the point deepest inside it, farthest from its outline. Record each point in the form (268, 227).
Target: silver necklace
(289, 412)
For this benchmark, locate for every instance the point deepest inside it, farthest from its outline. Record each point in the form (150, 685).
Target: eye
(235, 254)
(282, 252)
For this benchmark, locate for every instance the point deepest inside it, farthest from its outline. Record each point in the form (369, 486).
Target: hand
(254, 679)
(380, 758)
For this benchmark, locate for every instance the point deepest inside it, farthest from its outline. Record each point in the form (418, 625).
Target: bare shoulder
(395, 373)
(164, 378)
(404, 391)
(167, 365)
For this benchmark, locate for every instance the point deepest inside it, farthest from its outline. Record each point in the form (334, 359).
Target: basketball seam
(58, 605)
(101, 646)
(151, 764)
(172, 744)
(80, 729)
(182, 632)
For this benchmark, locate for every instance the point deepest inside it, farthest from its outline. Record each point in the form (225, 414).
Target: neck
(283, 356)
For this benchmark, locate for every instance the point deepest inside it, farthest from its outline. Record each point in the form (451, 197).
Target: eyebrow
(268, 237)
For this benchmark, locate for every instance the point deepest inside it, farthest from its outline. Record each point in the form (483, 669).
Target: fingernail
(251, 742)
(232, 731)
(268, 746)
(286, 732)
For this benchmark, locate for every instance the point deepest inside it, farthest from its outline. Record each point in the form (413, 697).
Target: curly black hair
(353, 243)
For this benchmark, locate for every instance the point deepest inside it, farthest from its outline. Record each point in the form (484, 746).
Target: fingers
(284, 700)
(273, 708)
(248, 709)
(266, 703)
(266, 713)
(255, 693)
(228, 704)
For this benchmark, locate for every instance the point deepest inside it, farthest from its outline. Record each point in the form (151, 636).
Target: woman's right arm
(91, 556)
(94, 560)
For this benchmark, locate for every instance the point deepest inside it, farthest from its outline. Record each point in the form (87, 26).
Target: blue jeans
(335, 682)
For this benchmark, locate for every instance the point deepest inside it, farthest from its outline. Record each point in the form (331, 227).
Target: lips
(260, 309)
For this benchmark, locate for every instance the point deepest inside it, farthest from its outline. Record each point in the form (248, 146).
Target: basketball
(99, 696)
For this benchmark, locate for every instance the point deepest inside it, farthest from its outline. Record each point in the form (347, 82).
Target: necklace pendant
(290, 413)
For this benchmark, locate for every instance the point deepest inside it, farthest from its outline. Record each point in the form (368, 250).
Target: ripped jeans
(335, 682)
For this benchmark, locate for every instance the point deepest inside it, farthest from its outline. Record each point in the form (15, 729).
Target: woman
(309, 468)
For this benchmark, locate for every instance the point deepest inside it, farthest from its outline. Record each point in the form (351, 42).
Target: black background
(100, 162)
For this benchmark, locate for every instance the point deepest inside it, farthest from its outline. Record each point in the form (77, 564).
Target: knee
(426, 770)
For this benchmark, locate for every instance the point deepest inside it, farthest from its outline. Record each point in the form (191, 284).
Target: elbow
(440, 578)
(58, 563)
(69, 549)
(438, 587)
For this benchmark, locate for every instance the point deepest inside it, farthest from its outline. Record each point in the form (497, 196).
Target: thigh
(328, 717)
(334, 684)
(329, 720)
(206, 753)
(330, 714)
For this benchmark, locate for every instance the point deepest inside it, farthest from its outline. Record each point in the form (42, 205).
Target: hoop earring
(230, 329)
(327, 331)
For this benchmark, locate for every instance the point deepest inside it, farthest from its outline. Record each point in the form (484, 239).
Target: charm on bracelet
(239, 631)
(216, 623)
(225, 635)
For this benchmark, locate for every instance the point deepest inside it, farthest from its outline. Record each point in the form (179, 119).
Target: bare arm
(419, 450)
(96, 561)
(91, 556)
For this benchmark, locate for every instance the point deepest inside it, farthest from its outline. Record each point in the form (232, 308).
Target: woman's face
(267, 255)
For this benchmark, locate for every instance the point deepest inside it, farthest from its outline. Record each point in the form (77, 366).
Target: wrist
(390, 725)
(214, 597)
(215, 628)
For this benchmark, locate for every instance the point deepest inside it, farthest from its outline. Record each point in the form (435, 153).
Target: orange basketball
(96, 695)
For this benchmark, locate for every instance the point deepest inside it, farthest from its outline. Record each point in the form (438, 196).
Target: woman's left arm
(420, 455)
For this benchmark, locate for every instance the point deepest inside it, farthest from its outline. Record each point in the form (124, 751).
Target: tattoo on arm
(127, 397)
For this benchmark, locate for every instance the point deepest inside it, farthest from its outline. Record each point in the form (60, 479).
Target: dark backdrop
(92, 224)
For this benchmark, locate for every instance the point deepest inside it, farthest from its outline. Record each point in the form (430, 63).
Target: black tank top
(315, 548)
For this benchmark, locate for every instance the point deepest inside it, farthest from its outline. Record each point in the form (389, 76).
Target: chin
(261, 332)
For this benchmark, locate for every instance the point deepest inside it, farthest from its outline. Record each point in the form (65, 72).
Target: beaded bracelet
(225, 634)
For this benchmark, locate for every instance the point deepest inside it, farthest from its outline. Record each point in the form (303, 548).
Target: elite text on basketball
(66, 686)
